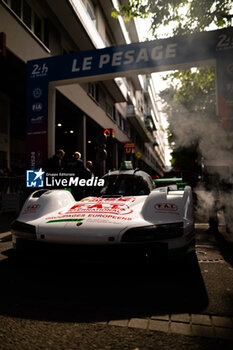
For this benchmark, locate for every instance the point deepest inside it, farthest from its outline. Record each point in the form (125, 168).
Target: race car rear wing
(178, 181)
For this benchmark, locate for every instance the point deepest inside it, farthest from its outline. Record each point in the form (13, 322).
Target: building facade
(122, 108)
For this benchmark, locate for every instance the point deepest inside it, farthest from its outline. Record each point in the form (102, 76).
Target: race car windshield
(125, 186)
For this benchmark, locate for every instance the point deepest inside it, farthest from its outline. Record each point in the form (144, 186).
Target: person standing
(89, 189)
(56, 162)
(89, 167)
(83, 173)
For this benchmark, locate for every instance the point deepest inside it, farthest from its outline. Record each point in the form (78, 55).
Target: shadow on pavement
(225, 248)
(71, 291)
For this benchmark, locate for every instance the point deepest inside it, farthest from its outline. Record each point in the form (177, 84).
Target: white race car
(129, 218)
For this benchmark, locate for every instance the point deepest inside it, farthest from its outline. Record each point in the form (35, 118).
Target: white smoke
(205, 204)
(215, 145)
(226, 202)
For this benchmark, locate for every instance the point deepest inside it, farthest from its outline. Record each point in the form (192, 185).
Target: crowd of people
(12, 180)
(58, 163)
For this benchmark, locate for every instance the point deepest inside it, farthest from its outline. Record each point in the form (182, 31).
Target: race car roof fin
(38, 193)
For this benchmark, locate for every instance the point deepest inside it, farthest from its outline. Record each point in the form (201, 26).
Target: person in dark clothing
(80, 169)
(76, 166)
(89, 189)
(56, 162)
(89, 167)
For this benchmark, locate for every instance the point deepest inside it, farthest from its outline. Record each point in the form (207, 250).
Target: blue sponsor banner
(137, 58)
(225, 90)
(150, 55)
(37, 115)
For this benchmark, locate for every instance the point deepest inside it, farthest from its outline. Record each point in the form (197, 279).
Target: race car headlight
(153, 232)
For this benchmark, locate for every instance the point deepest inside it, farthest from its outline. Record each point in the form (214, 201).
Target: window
(90, 8)
(125, 185)
(90, 11)
(37, 26)
(122, 124)
(119, 120)
(29, 17)
(109, 110)
(93, 91)
(114, 113)
(16, 7)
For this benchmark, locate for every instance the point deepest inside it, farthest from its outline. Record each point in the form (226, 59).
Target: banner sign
(150, 55)
(138, 58)
(37, 121)
(225, 90)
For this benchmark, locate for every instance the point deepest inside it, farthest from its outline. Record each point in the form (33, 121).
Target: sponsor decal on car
(97, 218)
(64, 220)
(101, 221)
(96, 207)
(119, 200)
(170, 208)
(112, 217)
(59, 216)
(31, 209)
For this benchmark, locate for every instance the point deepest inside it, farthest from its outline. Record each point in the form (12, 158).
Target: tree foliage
(186, 16)
(191, 96)
(134, 8)
(195, 89)
(191, 108)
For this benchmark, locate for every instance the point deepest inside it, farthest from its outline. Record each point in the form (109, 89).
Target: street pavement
(139, 308)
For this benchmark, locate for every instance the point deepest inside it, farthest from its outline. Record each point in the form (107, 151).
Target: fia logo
(35, 178)
(37, 107)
